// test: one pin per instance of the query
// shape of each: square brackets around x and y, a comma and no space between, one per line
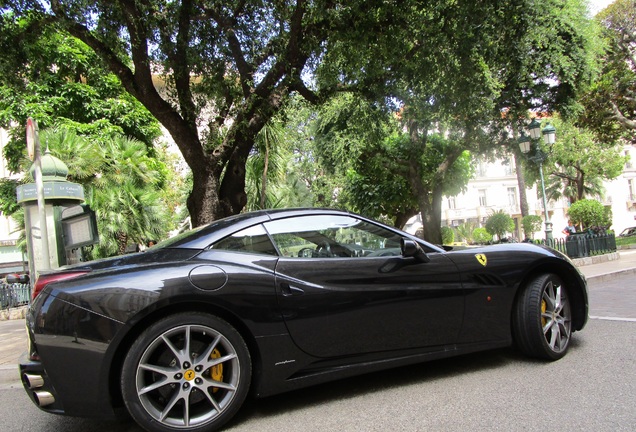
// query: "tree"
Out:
[464,81]
[499,223]
[611,100]
[578,163]
[531,224]
[465,231]
[131,193]
[226,69]
[552,62]
[266,167]
[229,67]
[58,80]
[590,214]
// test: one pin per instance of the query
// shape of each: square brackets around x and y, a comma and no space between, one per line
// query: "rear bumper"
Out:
[38,386]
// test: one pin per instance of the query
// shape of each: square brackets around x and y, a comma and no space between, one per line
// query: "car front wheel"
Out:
[542,320]
[187,372]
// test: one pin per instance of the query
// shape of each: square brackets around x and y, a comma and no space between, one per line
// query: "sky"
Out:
[598,5]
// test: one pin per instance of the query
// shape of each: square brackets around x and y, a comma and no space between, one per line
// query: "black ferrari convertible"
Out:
[272,301]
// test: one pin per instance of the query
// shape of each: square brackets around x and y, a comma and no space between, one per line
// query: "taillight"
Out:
[45,279]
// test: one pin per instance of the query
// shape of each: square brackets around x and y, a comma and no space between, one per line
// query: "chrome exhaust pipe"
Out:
[34,381]
[43,398]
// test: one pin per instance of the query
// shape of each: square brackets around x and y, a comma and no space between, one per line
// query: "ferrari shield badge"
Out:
[482,259]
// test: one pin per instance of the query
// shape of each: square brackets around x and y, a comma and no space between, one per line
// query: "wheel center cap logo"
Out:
[189,375]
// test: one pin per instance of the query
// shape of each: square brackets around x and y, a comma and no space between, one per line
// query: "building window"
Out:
[481,168]
[509,166]
[451,203]
[482,198]
[628,164]
[632,191]
[512,197]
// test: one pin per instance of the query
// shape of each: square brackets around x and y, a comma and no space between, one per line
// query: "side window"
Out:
[253,240]
[326,236]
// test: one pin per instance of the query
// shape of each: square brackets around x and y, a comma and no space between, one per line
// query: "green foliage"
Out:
[499,223]
[448,235]
[610,101]
[578,163]
[531,224]
[481,236]
[625,241]
[59,80]
[135,196]
[8,200]
[465,232]
[590,214]
[447,67]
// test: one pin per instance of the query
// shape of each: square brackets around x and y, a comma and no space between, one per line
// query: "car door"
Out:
[361,296]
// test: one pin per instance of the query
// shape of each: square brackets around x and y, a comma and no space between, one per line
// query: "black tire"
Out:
[542,318]
[168,386]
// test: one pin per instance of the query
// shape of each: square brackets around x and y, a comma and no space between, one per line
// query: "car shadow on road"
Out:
[376,382]
[367,384]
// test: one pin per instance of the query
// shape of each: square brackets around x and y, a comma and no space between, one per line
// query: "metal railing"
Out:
[14,295]
[580,245]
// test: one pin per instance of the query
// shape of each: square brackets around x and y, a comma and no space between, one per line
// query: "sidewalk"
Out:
[13,340]
[624,262]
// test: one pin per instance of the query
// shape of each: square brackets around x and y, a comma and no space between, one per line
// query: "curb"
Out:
[610,276]
[597,259]
[13,313]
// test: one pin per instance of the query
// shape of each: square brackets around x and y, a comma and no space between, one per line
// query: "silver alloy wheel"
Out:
[556,317]
[188,376]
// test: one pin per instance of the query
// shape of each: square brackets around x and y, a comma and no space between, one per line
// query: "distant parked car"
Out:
[14,278]
[628,232]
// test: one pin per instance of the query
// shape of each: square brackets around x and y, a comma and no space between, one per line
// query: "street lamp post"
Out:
[549,136]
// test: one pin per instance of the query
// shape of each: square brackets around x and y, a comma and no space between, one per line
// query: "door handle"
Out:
[289,290]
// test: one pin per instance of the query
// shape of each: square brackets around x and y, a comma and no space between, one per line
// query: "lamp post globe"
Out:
[525,144]
[534,129]
[549,134]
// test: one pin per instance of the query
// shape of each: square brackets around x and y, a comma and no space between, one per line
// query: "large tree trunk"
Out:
[431,212]
[521,182]
[203,202]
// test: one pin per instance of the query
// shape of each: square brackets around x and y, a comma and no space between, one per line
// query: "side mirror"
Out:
[411,248]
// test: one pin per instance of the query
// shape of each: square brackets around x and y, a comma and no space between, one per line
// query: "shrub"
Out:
[590,214]
[465,232]
[531,224]
[481,236]
[448,235]
[499,223]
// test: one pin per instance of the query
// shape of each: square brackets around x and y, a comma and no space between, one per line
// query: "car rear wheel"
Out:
[188,372]
[542,320]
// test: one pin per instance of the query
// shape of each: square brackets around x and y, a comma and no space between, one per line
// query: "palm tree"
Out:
[568,182]
[127,214]
[123,185]
[266,168]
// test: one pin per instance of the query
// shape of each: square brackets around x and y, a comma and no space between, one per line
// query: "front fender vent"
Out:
[487,279]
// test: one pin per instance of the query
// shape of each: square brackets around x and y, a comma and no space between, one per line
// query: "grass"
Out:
[624,241]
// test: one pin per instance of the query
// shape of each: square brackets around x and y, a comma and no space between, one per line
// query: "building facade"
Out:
[495,188]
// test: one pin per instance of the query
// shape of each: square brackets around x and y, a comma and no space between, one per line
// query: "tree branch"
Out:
[245,70]
[618,115]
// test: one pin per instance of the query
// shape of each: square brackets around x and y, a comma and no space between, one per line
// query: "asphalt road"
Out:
[592,389]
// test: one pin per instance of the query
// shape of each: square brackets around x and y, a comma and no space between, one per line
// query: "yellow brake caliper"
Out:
[217,371]
[544,306]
